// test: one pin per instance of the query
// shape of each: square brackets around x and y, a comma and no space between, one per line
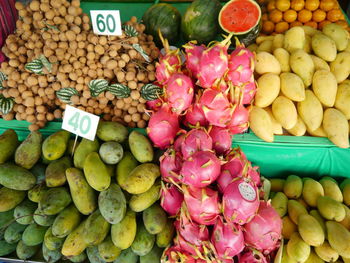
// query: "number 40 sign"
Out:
[106,22]
[79,122]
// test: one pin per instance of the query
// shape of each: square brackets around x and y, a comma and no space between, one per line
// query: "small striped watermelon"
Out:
[65,94]
[97,86]
[119,90]
[6,105]
[151,92]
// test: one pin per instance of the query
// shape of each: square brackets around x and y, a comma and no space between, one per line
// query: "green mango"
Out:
[51,256]
[83,150]
[55,145]
[142,178]
[93,255]
[295,209]
[10,198]
[141,147]
[6,248]
[8,145]
[38,171]
[310,230]
[277,184]
[140,202]
[34,234]
[127,256]
[313,258]
[288,227]
[74,244]
[108,251]
[164,238]
[42,219]
[24,212]
[52,242]
[111,131]
[312,190]
[297,249]
[54,201]
[319,219]
[15,177]
[112,204]
[345,188]
[36,193]
[28,152]
[153,256]
[72,144]
[293,187]
[6,219]
[84,197]
[279,202]
[143,242]
[66,221]
[25,252]
[13,232]
[326,252]
[331,189]
[111,152]
[55,174]
[124,168]
[339,238]
[123,233]
[96,172]
[96,229]
[330,209]
[154,219]
[346,221]
[79,258]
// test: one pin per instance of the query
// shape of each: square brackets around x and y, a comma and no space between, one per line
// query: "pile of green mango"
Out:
[316,218]
[88,200]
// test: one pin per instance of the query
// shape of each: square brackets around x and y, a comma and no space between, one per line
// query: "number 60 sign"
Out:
[106,22]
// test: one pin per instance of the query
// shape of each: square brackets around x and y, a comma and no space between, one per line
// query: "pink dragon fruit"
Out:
[216,107]
[201,169]
[239,121]
[213,63]
[171,199]
[240,201]
[249,92]
[202,204]
[195,115]
[263,232]
[196,140]
[170,166]
[251,255]
[187,246]
[222,140]
[154,104]
[227,239]
[254,174]
[174,254]
[178,142]
[179,92]
[193,56]
[163,127]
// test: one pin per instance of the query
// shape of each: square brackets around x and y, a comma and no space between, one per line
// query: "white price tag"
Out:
[80,122]
[106,22]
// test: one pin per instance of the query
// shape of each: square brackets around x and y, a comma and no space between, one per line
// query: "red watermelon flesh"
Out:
[239,16]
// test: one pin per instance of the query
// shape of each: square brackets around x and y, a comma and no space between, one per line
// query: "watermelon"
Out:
[163,17]
[200,21]
[243,18]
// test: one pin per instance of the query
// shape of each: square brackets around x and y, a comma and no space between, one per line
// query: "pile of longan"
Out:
[60,31]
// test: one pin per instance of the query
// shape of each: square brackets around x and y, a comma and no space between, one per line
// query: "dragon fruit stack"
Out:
[212,88]
[213,192]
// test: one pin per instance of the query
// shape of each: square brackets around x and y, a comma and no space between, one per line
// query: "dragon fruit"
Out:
[154,104]
[195,115]
[216,107]
[254,174]
[222,140]
[196,140]
[179,92]
[227,239]
[213,63]
[163,127]
[178,142]
[249,92]
[201,169]
[229,171]
[263,232]
[171,199]
[239,121]
[174,254]
[240,201]
[202,204]
[251,255]
[170,166]
[193,56]
[187,246]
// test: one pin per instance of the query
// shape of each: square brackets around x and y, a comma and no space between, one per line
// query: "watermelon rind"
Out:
[254,27]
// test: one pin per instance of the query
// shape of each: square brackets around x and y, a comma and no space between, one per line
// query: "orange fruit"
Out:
[343,23]
[323,23]
[319,15]
[281,27]
[283,5]
[265,17]
[268,27]
[311,24]
[297,5]
[304,16]
[312,5]
[275,16]
[334,15]
[271,5]
[290,15]
[327,5]
[295,23]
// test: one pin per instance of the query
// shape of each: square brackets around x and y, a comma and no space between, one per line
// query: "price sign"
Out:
[106,22]
[79,122]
